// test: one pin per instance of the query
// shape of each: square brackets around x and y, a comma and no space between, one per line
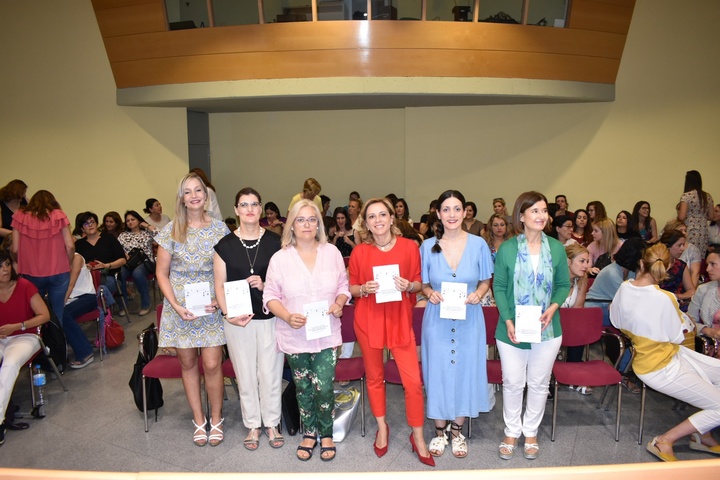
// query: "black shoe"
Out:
[2,433]
[17,425]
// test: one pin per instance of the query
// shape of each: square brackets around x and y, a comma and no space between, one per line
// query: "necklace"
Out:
[252,262]
[382,247]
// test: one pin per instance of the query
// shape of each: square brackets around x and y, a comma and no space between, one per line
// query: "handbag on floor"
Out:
[290,409]
[114,332]
[347,404]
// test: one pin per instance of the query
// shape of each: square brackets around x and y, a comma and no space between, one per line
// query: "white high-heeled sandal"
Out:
[200,437]
[215,439]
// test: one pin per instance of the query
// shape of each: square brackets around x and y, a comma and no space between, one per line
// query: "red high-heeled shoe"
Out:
[429,461]
[381,451]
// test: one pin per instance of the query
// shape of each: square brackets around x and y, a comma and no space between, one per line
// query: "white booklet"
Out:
[527,323]
[237,298]
[318,320]
[385,276]
[453,305]
[197,297]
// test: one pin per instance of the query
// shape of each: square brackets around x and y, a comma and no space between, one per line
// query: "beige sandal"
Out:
[506,450]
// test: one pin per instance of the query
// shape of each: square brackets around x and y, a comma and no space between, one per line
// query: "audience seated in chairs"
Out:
[704,307]
[137,237]
[81,298]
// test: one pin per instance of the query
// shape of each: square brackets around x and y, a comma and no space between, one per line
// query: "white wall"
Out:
[60,127]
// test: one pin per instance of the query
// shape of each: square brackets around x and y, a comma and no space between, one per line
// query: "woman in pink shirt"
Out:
[308,275]
[44,246]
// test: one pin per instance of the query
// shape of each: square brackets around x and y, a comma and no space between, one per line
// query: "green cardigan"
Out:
[504,286]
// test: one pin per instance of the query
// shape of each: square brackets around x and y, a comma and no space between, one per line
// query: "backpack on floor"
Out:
[55,342]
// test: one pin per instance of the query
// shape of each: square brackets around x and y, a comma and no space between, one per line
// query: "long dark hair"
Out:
[693,181]
[341,210]
[440,229]
[636,215]
[587,232]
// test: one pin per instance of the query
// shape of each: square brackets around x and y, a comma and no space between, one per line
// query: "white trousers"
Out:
[693,378]
[15,352]
[520,367]
[258,367]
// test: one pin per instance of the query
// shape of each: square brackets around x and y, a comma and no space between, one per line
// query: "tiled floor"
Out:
[96,426]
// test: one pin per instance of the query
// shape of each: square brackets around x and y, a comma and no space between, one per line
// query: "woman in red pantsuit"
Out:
[388,324]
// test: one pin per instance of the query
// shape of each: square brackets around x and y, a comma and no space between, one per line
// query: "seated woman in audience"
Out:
[12,197]
[80,299]
[596,211]
[137,237]
[582,229]
[714,231]
[500,209]
[624,226]
[645,224]
[605,244]
[156,219]
[424,226]
[342,234]
[563,229]
[625,263]
[578,264]
[678,279]
[496,232]
[101,252]
[650,317]
[273,221]
[704,307]
[469,224]
[112,224]
[307,270]
[691,255]
[407,231]
[402,211]
[22,310]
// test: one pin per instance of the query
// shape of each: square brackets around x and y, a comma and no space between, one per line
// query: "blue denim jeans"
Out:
[74,334]
[139,276]
[55,286]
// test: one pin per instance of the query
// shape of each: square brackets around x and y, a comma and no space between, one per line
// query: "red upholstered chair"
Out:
[163,366]
[392,374]
[494,371]
[583,326]
[350,369]
[95,316]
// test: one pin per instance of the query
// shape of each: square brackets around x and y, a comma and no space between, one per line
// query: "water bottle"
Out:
[39,380]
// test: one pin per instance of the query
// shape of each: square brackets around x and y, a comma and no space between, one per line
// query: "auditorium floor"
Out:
[96,426]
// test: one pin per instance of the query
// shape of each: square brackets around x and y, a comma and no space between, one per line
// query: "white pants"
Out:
[258,367]
[520,367]
[695,379]
[15,352]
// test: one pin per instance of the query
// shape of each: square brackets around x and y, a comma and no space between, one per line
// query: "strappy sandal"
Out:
[308,450]
[459,443]
[252,442]
[531,450]
[506,450]
[665,457]
[276,440]
[324,450]
[696,444]
[200,436]
[437,445]
[215,439]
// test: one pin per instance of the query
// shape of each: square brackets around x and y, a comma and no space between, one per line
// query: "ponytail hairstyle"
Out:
[440,229]
[655,262]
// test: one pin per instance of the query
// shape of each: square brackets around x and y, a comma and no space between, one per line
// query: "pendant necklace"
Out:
[252,263]
[382,247]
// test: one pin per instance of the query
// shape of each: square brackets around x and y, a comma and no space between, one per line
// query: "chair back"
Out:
[347,324]
[417,321]
[581,326]
[492,316]
[96,278]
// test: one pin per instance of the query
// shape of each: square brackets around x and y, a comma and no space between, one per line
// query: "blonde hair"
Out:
[179,229]
[609,239]
[674,225]
[312,187]
[364,231]
[288,236]
[655,262]
[575,249]
[488,233]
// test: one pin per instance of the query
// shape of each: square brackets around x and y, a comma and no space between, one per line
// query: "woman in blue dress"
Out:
[454,350]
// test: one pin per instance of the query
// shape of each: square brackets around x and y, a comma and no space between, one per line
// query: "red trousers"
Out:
[407,362]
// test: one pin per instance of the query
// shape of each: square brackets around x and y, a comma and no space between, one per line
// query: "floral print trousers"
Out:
[313,374]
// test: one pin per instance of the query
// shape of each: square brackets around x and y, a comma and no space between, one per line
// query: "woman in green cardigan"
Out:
[531,270]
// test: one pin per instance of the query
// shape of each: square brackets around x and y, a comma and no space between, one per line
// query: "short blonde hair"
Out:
[312,187]
[288,236]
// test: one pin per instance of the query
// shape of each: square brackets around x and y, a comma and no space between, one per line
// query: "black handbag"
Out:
[148,344]
[136,257]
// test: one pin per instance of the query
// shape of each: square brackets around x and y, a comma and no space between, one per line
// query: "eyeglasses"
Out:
[303,220]
[247,205]
[89,223]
